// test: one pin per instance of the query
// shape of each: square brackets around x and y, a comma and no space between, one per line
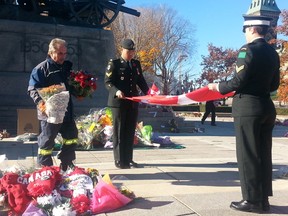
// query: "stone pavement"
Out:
[198,180]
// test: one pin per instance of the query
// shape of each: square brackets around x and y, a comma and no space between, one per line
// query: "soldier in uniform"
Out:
[122,77]
[54,70]
[257,75]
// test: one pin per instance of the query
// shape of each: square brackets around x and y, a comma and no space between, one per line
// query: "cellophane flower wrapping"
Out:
[56,100]
[92,128]
[82,83]
[107,198]
[96,130]
[34,210]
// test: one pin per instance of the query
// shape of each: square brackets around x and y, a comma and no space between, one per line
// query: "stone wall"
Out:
[24,44]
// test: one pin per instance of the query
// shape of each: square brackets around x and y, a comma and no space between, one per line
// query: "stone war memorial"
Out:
[27,27]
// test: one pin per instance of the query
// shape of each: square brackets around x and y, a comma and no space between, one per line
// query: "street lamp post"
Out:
[180,59]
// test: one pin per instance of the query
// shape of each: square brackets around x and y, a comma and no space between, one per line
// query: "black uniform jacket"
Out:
[119,76]
[257,74]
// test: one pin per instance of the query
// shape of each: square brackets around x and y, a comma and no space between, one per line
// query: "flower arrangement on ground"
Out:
[50,192]
[83,84]
[93,128]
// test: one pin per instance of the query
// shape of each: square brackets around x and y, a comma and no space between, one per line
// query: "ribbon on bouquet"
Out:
[199,95]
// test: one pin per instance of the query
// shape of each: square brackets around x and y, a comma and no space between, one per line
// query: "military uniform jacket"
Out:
[119,76]
[257,74]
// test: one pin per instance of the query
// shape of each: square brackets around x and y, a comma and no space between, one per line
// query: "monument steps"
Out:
[156,117]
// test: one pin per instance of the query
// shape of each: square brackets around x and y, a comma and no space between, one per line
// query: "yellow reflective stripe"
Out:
[45,151]
[70,141]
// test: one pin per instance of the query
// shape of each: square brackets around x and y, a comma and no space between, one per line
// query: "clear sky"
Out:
[216,21]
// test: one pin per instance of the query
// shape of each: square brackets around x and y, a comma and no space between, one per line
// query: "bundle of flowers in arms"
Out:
[56,101]
[82,83]
[49,192]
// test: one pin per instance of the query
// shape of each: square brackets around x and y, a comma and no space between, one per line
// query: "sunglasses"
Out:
[244,28]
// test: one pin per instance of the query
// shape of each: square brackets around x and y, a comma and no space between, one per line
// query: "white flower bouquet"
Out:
[56,101]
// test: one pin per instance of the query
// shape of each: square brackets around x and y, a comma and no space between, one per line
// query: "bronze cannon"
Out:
[98,13]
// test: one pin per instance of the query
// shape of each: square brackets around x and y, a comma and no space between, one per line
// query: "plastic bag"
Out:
[107,198]
[146,132]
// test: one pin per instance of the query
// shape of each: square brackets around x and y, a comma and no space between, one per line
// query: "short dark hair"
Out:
[261,30]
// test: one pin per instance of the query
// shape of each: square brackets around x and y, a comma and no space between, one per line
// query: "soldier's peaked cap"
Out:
[128,44]
[250,20]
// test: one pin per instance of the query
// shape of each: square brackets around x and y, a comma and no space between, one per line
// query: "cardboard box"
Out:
[27,121]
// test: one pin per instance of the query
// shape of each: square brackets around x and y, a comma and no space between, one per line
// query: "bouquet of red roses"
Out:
[83,84]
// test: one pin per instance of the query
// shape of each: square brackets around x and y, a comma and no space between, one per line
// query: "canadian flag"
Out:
[154,90]
[199,95]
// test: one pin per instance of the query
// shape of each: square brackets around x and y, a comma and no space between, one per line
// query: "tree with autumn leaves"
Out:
[218,65]
[282,92]
[161,36]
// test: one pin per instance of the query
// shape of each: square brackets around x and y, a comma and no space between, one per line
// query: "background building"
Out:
[267,8]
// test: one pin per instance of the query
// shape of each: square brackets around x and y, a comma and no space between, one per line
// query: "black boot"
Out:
[265,204]
[65,166]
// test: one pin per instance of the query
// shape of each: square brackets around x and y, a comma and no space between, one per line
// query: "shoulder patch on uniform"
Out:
[238,69]
[242,54]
